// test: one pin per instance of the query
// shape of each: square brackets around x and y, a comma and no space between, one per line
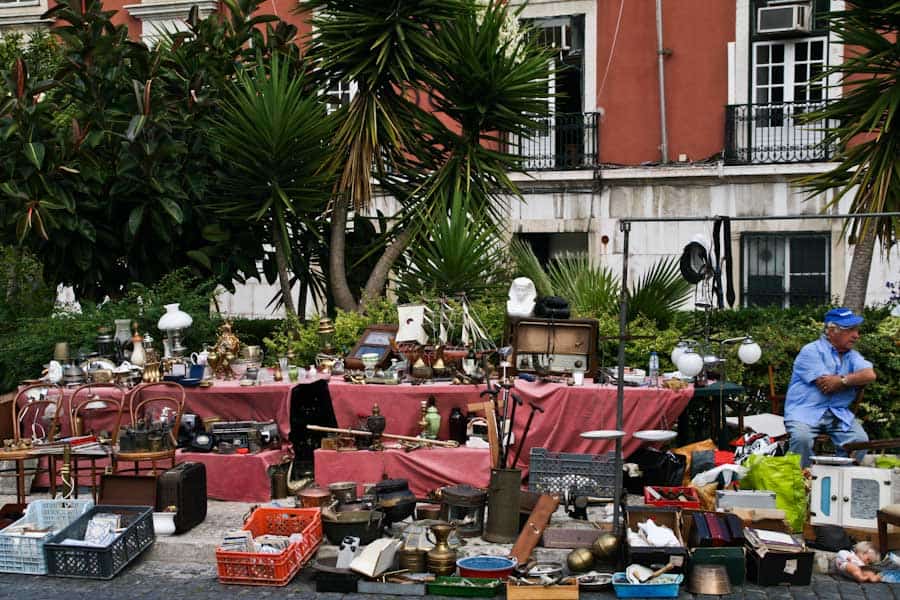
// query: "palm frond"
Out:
[659,292]
[528,265]
[591,290]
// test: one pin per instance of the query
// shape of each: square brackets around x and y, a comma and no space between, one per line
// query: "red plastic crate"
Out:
[252,568]
[693,501]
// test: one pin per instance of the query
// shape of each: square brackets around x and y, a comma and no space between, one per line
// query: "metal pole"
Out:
[660,57]
[625,227]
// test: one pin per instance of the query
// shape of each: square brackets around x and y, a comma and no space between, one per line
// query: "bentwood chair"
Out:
[94,408]
[148,403]
[35,413]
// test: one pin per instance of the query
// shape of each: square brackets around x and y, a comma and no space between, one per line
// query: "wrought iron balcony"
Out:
[770,133]
[564,141]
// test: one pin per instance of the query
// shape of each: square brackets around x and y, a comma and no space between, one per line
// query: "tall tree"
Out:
[868,133]
[273,132]
[456,55]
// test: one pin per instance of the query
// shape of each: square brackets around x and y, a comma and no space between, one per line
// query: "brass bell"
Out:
[604,547]
[580,560]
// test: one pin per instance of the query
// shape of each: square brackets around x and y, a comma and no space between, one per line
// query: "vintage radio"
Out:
[553,346]
[253,435]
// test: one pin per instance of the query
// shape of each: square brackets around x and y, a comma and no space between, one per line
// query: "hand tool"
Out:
[509,430]
[534,408]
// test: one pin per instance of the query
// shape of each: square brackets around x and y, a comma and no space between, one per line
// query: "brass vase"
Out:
[441,560]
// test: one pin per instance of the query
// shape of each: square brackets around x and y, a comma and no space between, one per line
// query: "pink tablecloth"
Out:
[425,469]
[225,399]
[569,410]
[237,477]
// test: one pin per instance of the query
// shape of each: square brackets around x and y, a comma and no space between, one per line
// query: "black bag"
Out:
[552,307]
[831,538]
[657,468]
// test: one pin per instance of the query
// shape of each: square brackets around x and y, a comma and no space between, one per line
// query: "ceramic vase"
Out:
[164,523]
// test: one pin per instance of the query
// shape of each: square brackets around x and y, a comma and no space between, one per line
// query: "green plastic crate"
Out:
[465,587]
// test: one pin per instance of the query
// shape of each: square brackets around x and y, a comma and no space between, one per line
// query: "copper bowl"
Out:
[710,580]
[314,498]
[428,511]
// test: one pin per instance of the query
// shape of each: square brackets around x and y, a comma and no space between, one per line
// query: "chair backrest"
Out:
[79,405]
[163,392]
[776,401]
[32,403]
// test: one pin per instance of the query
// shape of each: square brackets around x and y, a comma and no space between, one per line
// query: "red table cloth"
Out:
[237,477]
[569,410]
[425,469]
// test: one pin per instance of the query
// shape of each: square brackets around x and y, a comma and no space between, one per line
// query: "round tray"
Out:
[603,434]
[656,435]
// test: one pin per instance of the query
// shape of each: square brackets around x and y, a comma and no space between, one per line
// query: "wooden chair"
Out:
[30,410]
[140,401]
[84,406]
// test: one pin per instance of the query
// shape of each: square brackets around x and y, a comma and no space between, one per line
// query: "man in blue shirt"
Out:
[827,374]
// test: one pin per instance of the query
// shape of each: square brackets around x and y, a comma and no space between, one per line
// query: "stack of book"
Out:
[763,541]
[239,540]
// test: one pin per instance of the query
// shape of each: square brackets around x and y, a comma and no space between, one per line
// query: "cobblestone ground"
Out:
[149,580]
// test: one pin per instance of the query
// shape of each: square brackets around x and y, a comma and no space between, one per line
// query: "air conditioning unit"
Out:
[789,18]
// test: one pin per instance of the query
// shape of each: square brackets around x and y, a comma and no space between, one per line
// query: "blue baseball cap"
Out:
[842,317]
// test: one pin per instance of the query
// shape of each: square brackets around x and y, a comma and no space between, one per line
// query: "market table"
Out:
[237,477]
[569,410]
[714,396]
[425,469]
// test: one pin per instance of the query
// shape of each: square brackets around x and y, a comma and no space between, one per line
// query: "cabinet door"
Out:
[825,502]
[863,491]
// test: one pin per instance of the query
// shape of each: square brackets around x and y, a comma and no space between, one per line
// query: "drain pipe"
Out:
[661,54]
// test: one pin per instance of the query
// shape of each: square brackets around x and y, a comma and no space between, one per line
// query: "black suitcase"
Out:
[184,487]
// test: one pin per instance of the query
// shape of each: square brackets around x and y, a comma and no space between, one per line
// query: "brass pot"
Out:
[605,546]
[580,560]
[314,498]
[413,559]
[441,560]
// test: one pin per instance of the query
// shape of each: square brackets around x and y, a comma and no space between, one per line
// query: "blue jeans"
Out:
[803,435]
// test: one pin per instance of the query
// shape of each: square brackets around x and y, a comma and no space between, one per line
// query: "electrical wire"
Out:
[612,48]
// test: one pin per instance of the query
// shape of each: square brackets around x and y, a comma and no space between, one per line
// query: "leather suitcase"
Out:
[184,486]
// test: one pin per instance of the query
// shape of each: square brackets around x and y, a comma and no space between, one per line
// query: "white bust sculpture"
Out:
[522,295]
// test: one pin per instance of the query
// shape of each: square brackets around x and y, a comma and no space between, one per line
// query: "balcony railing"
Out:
[770,133]
[564,141]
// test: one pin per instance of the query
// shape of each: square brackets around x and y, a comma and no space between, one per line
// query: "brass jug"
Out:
[441,560]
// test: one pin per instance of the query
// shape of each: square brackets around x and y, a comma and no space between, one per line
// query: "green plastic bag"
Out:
[887,461]
[782,475]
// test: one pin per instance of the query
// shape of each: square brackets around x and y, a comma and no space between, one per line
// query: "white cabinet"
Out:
[850,496]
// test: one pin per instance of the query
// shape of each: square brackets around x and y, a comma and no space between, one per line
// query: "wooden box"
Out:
[556,344]
[657,557]
[568,591]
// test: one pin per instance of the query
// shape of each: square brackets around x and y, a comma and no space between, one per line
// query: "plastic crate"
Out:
[465,587]
[104,562]
[665,586]
[577,474]
[25,554]
[691,500]
[253,568]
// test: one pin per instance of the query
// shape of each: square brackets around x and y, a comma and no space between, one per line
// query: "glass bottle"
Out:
[457,424]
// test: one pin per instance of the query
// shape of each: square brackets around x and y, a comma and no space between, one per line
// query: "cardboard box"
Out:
[657,557]
[732,558]
[567,591]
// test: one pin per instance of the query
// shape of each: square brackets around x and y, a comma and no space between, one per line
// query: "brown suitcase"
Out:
[184,486]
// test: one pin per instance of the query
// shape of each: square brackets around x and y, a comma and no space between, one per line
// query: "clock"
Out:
[376,339]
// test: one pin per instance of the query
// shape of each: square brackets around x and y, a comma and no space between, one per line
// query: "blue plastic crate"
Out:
[24,553]
[664,586]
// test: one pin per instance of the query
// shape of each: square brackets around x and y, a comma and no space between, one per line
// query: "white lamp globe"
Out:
[749,351]
[677,351]
[174,319]
[690,363]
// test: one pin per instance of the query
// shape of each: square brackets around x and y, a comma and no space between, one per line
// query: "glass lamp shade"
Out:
[677,351]
[690,363]
[174,319]
[749,351]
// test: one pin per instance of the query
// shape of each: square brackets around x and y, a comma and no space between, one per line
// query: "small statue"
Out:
[423,421]
[853,563]
[522,296]
[226,349]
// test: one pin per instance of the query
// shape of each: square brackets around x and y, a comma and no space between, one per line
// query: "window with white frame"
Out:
[784,71]
[786,268]
[339,94]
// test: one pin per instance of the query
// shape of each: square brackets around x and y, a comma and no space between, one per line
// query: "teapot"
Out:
[200,358]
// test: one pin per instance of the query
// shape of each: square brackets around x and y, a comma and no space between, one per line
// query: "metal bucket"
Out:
[502,524]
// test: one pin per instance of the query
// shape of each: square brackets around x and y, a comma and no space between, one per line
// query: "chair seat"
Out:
[141,456]
[891,510]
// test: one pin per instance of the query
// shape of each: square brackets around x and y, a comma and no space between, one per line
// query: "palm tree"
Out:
[868,133]
[273,132]
[400,54]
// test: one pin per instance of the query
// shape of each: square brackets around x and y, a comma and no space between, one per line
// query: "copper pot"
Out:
[314,497]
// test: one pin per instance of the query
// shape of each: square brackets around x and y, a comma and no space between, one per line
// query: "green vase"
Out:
[433,418]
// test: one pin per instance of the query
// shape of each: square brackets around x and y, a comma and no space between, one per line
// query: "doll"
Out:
[852,563]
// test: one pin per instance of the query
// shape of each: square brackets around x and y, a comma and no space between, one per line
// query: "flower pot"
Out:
[164,523]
